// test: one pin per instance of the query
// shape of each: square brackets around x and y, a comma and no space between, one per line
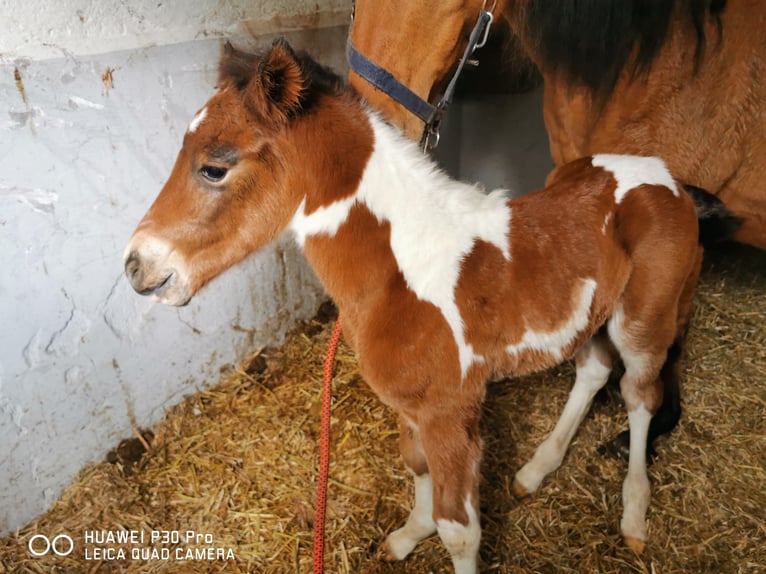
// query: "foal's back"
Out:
[571,248]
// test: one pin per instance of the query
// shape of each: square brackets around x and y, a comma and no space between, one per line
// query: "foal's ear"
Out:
[276,89]
[235,67]
[271,84]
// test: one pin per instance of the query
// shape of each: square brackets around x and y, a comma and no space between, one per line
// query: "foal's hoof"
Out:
[635,544]
[519,491]
[619,448]
[386,554]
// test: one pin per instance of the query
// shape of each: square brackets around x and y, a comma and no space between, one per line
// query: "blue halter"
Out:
[383,80]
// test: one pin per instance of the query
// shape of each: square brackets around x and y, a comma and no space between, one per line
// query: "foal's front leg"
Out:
[443,451]
[420,523]
[453,449]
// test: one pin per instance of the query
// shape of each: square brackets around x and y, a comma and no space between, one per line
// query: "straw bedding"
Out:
[237,462]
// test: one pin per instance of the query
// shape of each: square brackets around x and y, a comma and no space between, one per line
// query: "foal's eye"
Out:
[213,173]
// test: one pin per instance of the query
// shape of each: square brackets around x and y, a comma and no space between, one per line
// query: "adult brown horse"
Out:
[441,285]
[678,79]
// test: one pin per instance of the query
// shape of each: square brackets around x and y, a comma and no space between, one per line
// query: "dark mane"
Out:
[320,79]
[592,41]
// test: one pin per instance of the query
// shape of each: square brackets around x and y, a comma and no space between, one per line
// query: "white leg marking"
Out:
[635,489]
[420,523]
[462,541]
[591,376]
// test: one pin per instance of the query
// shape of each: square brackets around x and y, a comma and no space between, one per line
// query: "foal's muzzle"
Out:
[151,270]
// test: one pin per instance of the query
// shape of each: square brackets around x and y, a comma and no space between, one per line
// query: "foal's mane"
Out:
[592,41]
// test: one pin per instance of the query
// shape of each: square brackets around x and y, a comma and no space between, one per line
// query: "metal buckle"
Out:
[430,138]
[487,26]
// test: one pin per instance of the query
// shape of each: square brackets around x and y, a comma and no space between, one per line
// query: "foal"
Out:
[440,285]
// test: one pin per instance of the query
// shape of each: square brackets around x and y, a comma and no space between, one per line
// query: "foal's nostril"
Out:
[133,269]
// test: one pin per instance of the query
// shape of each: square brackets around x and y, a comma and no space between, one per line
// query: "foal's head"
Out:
[235,183]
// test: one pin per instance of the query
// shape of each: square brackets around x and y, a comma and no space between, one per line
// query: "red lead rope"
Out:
[324,451]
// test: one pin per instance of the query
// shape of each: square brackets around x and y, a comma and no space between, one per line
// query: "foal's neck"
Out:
[406,223]
[402,185]
[426,210]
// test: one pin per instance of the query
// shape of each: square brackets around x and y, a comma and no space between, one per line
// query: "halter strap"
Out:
[383,80]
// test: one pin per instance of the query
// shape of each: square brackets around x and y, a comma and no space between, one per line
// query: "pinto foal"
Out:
[440,285]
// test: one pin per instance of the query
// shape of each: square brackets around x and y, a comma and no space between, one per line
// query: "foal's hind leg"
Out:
[667,416]
[641,342]
[420,523]
[593,366]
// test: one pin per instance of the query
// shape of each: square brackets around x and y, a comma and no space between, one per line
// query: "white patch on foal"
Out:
[592,374]
[630,171]
[197,120]
[326,219]
[434,220]
[420,523]
[554,342]
[607,219]
[636,489]
[462,541]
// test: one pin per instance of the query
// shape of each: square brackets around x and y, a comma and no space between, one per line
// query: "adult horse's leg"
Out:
[593,366]
[420,524]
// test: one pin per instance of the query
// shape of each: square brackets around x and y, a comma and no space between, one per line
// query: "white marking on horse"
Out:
[434,220]
[197,120]
[150,246]
[607,219]
[636,490]
[554,342]
[327,219]
[420,523]
[592,374]
[632,171]
[462,541]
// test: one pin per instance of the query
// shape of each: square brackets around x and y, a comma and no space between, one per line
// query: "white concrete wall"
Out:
[54,28]
[83,359]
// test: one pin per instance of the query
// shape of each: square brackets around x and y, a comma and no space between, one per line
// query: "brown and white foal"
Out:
[441,286]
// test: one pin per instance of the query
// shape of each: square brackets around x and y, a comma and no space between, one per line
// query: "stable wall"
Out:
[83,359]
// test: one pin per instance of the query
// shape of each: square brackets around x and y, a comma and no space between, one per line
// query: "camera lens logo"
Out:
[41,545]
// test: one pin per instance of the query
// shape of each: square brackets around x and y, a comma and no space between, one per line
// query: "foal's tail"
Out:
[716,222]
